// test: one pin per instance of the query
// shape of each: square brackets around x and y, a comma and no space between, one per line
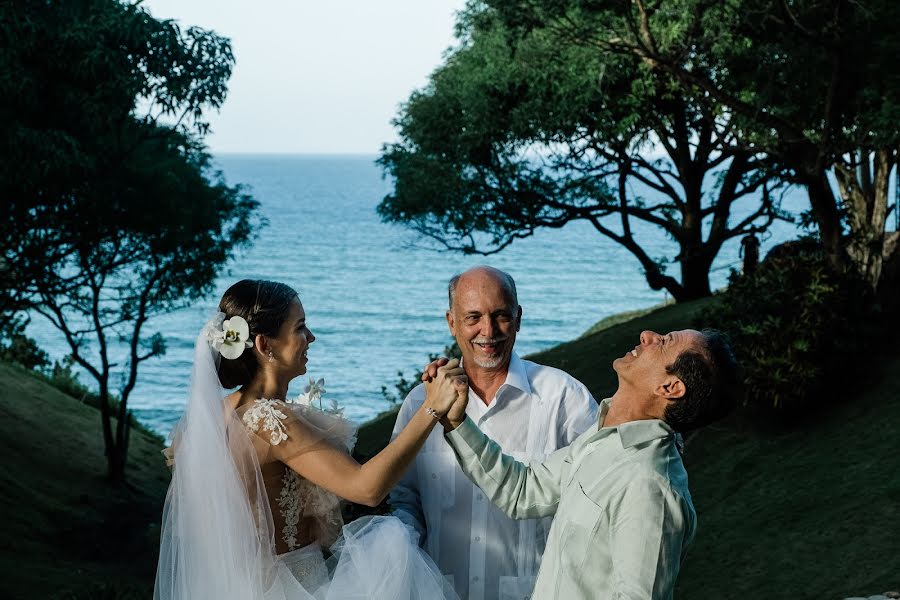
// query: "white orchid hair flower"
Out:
[230,338]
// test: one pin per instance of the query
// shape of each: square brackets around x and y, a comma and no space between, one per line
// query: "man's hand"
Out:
[430,371]
[445,387]
[457,413]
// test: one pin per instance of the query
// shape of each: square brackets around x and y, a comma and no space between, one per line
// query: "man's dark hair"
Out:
[712,379]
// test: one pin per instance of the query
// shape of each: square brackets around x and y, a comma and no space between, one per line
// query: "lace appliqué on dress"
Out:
[289,502]
[266,413]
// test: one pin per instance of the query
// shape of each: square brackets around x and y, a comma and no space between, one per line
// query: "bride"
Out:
[253,506]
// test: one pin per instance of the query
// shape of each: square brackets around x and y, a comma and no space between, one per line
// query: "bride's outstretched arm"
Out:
[369,483]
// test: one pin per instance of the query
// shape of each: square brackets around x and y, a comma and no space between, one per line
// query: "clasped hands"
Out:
[446,391]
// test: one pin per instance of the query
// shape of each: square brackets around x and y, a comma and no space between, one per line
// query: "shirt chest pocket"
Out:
[582,520]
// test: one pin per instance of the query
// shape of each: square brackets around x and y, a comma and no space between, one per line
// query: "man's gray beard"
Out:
[489,364]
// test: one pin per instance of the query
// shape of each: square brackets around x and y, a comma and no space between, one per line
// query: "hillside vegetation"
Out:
[66,533]
[808,513]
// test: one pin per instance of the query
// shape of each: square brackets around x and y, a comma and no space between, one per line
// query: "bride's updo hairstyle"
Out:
[265,306]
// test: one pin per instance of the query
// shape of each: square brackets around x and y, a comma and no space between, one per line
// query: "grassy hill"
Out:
[810,513]
[65,532]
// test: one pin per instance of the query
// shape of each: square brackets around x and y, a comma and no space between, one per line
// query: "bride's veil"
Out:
[217,539]
[217,534]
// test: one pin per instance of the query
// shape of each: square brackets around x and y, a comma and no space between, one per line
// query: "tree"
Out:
[115,215]
[811,84]
[521,129]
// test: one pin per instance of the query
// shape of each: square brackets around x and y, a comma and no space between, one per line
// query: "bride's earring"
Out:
[271,356]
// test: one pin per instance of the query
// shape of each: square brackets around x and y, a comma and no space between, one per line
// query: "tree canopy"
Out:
[114,211]
[810,83]
[521,129]
[666,112]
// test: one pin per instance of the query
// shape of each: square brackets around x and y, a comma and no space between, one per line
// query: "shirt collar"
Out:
[516,375]
[639,432]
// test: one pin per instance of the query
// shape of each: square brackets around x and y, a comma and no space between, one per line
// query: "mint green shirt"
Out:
[624,515]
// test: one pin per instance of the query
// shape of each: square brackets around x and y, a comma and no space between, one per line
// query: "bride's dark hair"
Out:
[265,306]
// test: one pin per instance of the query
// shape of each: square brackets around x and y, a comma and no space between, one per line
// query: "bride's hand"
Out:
[448,384]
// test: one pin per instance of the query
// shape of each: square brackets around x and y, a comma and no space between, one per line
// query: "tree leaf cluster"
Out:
[115,213]
[524,126]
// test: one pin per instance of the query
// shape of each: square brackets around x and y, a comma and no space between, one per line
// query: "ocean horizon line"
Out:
[360,155]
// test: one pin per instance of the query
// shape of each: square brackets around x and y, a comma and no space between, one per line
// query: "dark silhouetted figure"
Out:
[750,253]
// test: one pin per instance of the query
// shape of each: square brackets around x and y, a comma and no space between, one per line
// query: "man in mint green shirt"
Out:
[623,513]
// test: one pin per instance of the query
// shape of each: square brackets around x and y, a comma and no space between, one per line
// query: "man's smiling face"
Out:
[644,366]
[484,320]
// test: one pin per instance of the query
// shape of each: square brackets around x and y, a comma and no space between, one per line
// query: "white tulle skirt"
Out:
[375,558]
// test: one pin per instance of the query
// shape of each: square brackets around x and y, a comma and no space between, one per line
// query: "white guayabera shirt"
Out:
[487,555]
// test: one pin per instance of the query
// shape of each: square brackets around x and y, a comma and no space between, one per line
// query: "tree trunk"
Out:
[825,209]
[695,277]
[115,465]
[864,190]
[113,447]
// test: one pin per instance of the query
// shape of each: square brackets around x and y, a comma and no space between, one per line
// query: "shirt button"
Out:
[434,475]
[478,497]
[475,579]
[477,538]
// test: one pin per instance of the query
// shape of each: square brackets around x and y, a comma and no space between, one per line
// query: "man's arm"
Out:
[522,492]
[648,526]
[404,498]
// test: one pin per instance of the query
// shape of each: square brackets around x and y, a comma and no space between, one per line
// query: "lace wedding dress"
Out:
[238,523]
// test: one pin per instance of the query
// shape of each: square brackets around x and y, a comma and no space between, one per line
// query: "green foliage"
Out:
[21,350]
[798,328]
[402,387]
[809,86]
[527,125]
[114,213]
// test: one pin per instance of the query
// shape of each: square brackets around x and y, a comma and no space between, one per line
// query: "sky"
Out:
[318,77]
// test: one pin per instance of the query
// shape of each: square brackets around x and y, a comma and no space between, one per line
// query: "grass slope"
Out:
[65,531]
[811,513]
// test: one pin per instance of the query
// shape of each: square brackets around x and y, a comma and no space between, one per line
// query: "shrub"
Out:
[21,350]
[798,327]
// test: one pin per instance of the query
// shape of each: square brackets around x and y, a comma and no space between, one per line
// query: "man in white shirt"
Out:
[530,410]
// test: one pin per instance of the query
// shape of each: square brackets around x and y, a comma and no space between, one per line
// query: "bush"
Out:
[21,350]
[798,327]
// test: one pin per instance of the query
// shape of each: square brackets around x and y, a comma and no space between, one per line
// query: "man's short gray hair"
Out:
[509,286]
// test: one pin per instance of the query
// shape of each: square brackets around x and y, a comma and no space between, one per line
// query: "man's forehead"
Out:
[481,287]
[688,337]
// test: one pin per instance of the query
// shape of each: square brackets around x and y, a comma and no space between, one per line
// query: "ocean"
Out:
[375,297]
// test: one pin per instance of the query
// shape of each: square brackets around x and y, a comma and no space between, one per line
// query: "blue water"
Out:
[374,299]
